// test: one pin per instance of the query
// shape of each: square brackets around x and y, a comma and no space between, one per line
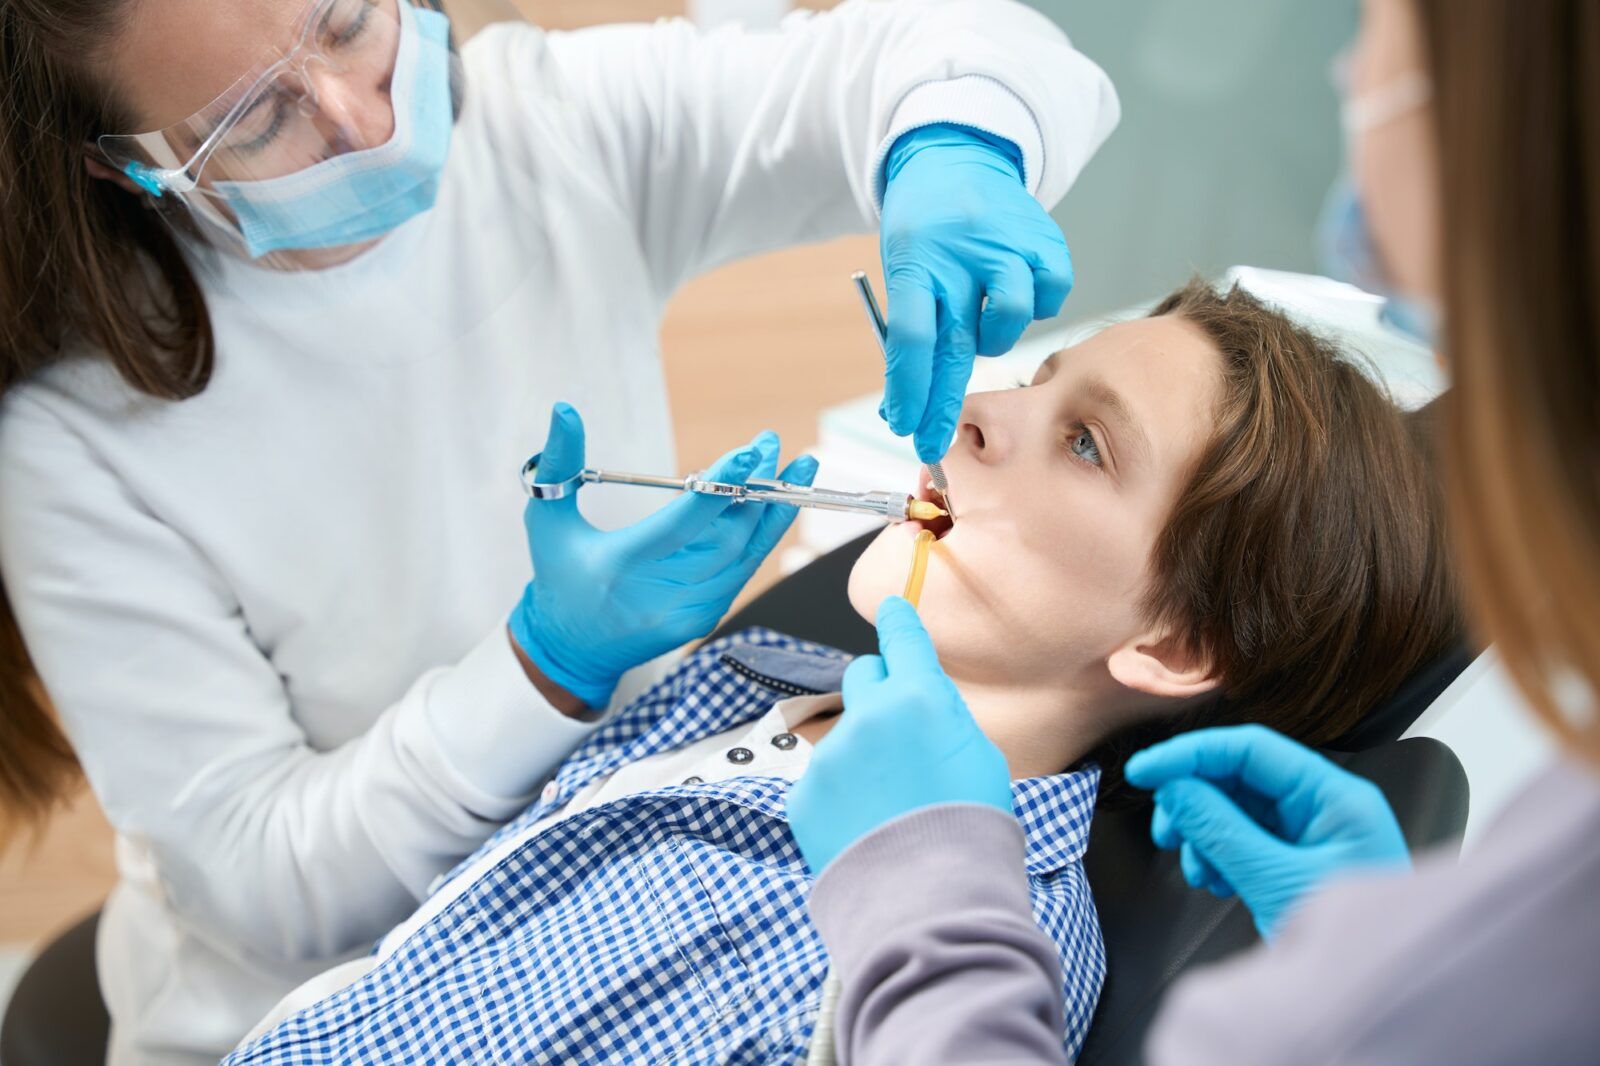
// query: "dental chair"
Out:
[1155,926]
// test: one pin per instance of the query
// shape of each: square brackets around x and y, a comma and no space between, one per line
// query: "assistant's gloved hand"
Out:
[1254,813]
[959,225]
[905,741]
[601,603]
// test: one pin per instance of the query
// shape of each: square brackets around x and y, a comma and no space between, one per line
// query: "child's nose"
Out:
[986,428]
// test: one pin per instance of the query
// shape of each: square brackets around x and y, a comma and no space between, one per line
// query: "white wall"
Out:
[1501,745]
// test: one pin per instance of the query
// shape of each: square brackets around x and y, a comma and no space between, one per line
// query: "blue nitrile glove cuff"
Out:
[970,258]
[944,135]
[595,692]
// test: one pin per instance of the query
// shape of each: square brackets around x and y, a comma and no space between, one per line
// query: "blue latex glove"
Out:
[906,740]
[601,603]
[959,226]
[1254,813]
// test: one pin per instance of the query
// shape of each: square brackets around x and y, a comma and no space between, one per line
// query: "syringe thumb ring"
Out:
[547,491]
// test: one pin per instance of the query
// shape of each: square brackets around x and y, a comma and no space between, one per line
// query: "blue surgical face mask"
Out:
[361,195]
[1348,253]
[1344,238]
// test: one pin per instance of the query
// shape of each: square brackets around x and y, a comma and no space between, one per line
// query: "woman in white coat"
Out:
[288,290]
[1475,138]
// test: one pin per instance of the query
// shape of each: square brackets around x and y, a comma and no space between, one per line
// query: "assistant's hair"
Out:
[1305,557]
[82,263]
[1517,129]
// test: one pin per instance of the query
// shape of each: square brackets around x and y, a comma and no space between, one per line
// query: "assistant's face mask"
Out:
[1344,237]
[285,160]
[1348,253]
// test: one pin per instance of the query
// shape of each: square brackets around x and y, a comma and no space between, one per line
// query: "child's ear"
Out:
[1160,664]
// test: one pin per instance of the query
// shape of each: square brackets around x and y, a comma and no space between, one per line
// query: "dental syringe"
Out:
[888,506]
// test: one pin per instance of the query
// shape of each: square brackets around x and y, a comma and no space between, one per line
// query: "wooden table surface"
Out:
[764,343]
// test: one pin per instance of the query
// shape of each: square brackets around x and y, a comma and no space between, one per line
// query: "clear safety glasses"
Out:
[336,135]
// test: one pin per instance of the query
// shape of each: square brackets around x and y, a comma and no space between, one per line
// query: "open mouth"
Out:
[940,527]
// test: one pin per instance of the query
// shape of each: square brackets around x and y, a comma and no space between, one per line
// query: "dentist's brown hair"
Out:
[84,267]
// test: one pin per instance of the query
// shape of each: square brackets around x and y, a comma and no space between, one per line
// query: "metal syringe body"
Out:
[888,506]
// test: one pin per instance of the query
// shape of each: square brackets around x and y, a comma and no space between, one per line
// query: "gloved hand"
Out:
[601,603]
[905,741]
[959,225]
[1254,813]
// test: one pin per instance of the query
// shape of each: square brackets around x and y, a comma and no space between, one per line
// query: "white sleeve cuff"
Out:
[500,739]
[972,100]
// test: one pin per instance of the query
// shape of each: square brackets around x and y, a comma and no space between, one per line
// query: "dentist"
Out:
[1474,145]
[288,289]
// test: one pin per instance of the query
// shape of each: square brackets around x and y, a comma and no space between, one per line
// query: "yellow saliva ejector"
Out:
[919,566]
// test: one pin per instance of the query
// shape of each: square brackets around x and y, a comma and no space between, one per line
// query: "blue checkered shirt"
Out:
[668,926]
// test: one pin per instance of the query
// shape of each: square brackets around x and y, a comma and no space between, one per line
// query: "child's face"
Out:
[1061,488]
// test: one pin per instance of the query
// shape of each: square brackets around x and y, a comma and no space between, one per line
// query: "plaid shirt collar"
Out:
[736,679]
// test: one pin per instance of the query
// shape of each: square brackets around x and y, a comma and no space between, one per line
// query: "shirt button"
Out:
[694,780]
[741,755]
[785,741]
[551,791]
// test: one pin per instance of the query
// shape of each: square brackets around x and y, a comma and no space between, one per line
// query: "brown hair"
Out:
[1517,126]
[82,262]
[1305,557]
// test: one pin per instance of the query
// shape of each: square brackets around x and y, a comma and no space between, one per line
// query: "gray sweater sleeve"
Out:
[930,929]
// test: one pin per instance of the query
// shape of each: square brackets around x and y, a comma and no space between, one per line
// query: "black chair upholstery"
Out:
[811,604]
[1155,926]
[56,1016]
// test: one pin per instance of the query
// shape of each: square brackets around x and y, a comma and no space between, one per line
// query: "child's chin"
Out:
[870,579]
[864,594]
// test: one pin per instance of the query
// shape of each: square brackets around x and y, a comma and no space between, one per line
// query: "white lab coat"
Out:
[272,617]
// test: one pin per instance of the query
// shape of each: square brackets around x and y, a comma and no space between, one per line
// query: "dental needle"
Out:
[880,329]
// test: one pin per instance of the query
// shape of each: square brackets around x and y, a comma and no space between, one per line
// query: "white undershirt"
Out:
[272,617]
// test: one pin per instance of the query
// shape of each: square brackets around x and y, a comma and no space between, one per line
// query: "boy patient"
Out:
[1199,517]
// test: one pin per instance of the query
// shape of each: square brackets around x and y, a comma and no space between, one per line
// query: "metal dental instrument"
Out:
[889,506]
[880,330]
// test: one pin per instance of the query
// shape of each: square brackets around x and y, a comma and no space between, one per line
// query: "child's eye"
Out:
[1083,445]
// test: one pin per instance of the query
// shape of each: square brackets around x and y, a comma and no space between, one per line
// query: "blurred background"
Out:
[1228,144]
